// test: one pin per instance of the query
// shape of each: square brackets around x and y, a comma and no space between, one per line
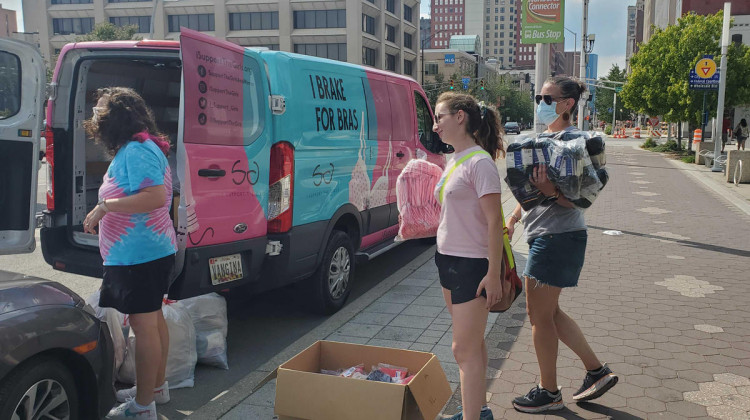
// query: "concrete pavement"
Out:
[664,303]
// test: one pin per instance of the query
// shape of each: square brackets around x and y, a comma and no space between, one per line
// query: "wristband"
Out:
[103,205]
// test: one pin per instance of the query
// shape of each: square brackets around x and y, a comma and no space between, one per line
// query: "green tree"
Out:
[106,31]
[605,97]
[658,83]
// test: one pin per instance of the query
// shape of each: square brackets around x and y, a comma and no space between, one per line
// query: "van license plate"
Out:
[225,269]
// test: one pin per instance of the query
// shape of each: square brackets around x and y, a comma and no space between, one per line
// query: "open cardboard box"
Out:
[303,393]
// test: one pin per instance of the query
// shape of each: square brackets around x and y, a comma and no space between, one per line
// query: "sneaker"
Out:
[485,414]
[538,400]
[161,394]
[129,411]
[596,384]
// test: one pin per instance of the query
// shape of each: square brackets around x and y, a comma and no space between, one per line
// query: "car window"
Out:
[10,85]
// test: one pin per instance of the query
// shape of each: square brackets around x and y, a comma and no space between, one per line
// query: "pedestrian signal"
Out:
[481,84]
[452,87]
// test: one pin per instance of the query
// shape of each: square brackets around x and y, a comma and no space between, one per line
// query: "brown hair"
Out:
[569,88]
[124,116]
[483,122]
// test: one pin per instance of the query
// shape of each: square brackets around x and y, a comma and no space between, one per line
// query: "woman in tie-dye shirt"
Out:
[136,238]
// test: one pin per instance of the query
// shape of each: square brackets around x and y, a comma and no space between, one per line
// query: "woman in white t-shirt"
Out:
[469,238]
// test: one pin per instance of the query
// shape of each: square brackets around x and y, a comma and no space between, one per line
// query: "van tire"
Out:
[332,282]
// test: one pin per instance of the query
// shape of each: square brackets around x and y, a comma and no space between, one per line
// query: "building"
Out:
[663,13]
[572,60]
[635,31]
[382,34]
[447,62]
[29,37]
[8,23]
[424,32]
[499,31]
[447,19]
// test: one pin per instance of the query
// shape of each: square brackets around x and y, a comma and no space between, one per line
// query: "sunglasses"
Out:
[548,99]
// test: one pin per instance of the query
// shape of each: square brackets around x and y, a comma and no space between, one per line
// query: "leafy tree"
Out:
[658,83]
[106,31]
[605,97]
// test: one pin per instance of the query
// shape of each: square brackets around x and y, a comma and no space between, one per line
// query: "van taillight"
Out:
[281,188]
[49,154]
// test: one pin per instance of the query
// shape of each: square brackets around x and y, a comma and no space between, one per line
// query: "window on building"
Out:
[496,43]
[430,68]
[274,47]
[407,13]
[487,26]
[332,51]
[142,22]
[502,43]
[390,62]
[75,1]
[368,24]
[502,34]
[408,67]
[487,51]
[502,26]
[488,10]
[501,17]
[390,5]
[496,51]
[67,26]
[309,19]
[253,21]
[390,33]
[486,18]
[407,40]
[198,22]
[486,43]
[368,56]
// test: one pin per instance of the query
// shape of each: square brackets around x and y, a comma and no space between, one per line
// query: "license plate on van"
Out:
[225,269]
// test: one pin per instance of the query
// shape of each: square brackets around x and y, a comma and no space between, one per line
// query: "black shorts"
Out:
[461,275]
[136,289]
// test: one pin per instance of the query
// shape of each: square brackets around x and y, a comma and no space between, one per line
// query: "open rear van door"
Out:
[21,100]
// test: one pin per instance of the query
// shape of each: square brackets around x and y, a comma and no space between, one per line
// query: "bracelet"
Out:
[103,205]
[513,216]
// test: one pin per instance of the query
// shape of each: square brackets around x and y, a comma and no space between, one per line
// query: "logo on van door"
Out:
[251,175]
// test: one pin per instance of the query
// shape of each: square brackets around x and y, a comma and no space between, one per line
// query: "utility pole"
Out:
[584,60]
[719,126]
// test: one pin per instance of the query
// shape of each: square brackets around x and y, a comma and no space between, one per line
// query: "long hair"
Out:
[123,118]
[569,88]
[483,121]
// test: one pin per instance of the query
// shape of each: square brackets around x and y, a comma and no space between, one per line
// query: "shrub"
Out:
[608,129]
[669,146]
[649,144]
[688,159]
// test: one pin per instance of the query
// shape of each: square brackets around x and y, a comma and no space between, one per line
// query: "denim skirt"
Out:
[556,259]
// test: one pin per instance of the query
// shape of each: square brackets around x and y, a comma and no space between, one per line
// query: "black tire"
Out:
[332,282]
[46,378]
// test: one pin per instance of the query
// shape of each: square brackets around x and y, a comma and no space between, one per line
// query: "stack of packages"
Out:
[383,372]
[419,211]
[575,164]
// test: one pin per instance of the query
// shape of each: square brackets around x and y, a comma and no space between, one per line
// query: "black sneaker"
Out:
[538,400]
[596,384]
[485,414]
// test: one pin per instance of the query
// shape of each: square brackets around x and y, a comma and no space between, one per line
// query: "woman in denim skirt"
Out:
[556,233]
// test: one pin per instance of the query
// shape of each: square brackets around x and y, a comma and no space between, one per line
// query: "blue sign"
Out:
[450,58]
[697,82]
[465,81]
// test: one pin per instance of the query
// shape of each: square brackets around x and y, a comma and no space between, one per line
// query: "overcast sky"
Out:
[607,19]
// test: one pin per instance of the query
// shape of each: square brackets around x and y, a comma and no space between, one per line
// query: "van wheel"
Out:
[332,282]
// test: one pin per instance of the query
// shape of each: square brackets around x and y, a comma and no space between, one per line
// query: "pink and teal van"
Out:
[284,165]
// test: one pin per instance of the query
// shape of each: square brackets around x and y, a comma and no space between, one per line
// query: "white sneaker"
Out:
[161,394]
[128,411]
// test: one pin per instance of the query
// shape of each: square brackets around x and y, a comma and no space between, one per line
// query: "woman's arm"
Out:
[492,283]
[146,200]
[515,217]
[545,186]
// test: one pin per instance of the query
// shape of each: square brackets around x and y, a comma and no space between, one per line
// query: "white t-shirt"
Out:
[462,231]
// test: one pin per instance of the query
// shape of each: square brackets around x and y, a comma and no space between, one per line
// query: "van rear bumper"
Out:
[195,278]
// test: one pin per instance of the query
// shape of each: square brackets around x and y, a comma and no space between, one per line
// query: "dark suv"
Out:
[512,127]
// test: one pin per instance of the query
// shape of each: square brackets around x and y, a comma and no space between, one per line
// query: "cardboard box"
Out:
[303,393]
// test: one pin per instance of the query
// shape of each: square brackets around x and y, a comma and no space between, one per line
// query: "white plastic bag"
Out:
[182,355]
[115,321]
[209,315]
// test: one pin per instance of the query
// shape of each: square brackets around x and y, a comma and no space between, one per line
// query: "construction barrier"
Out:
[697,135]
[637,133]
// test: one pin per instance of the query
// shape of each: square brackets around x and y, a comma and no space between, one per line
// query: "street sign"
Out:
[542,21]
[653,120]
[450,58]
[618,89]
[465,81]
[705,75]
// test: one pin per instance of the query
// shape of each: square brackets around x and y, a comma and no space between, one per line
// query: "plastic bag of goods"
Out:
[182,354]
[585,152]
[520,159]
[419,211]
[209,315]
[115,322]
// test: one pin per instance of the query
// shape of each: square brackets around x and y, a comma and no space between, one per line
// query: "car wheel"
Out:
[332,282]
[40,389]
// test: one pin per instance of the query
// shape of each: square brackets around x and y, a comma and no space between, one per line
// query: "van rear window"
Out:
[10,85]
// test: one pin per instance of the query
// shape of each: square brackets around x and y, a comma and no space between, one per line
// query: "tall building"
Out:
[635,31]
[383,34]
[7,22]
[663,13]
[447,19]
[424,32]
[499,33]
[572,63]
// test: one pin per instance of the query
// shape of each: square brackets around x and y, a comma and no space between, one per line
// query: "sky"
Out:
[607,20]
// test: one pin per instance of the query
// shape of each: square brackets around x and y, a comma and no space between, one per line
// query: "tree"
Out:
[106,31]
[605,97]
[658,83]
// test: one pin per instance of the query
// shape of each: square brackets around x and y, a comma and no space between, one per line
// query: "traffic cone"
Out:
[637,134]
[697,136]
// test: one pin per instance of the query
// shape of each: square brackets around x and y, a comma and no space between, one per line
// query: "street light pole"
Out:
[719,126]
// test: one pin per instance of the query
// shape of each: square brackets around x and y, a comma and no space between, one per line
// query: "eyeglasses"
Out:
[439,117]
[548,99]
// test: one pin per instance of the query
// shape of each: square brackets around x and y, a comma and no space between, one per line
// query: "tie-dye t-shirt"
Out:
[129,239]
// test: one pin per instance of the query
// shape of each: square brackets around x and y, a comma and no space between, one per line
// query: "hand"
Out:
[541,182]
[91,222]
[493,285]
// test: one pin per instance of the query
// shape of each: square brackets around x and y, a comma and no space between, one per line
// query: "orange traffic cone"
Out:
[697,135]
[637,134]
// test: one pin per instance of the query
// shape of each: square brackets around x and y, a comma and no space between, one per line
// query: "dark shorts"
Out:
[461,275]
[557,259]
[136,289]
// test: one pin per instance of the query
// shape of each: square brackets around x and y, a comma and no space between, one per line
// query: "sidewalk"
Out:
[664,303]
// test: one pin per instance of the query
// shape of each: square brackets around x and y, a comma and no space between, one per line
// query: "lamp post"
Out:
[422,49]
